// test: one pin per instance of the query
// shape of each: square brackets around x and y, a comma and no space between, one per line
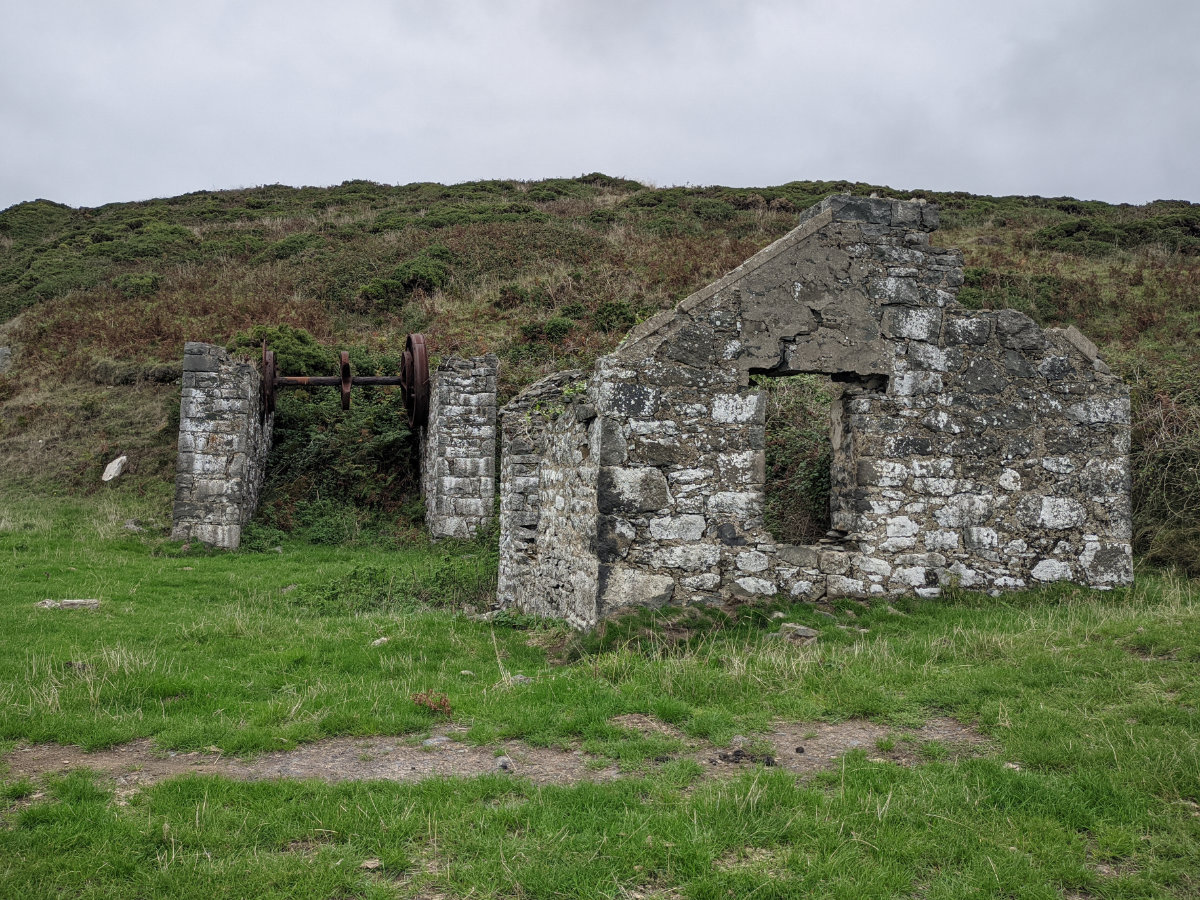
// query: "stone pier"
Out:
[224,440]
[458,447]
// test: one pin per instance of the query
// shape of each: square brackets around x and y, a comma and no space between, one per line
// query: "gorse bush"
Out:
[293,244]
[139,284]
[614,316]
[337,475]
[1044,298]
[296,351]
[1178,231]
[428,271]
[713,210]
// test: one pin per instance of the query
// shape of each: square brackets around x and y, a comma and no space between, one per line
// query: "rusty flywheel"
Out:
[413,380]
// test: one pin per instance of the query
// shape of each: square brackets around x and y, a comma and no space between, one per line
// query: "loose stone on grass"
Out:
[69,604]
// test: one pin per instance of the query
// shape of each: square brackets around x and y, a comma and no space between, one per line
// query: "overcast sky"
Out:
[105,100]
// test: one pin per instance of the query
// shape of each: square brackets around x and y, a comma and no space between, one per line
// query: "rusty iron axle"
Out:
[413,380]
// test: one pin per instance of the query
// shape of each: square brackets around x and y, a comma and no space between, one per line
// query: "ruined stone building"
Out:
[969,448]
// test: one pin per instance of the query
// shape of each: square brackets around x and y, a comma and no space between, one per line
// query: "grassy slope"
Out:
[1094,697]
[549,274]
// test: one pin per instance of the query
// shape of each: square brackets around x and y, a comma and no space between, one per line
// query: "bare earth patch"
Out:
[809,747]
[796,747]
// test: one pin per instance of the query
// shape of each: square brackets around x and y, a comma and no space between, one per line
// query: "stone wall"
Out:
[548,515]
[970,448]
[458,447]
[223,445]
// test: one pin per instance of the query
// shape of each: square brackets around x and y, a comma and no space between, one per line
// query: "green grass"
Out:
[1093,697]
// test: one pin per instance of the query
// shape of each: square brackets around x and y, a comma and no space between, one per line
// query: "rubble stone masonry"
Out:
[971,448]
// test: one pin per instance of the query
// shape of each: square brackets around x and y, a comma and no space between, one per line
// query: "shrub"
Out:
[35,221]
[1178,231]
[438,704]
[713,210]
[238,243]
[1043,297]
[602,217]
[56,271]
[427,271]
[556,329]
[137,284]
[667,226]
[599,179]
[296,351]
[445,215]
[798,458]
[362,456]
[613,315]
[512,296]
[293,244]
[424,273]
[1164,459]
[157,239]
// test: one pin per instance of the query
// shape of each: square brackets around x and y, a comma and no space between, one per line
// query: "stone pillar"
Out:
[223,444]
[458,447]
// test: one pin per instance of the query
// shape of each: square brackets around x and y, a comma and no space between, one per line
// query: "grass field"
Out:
[1087,783]
[339,629]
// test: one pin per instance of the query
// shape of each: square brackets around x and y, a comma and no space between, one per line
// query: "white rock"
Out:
[1061,465]
[736,408]
[114,468]
[913,576]
[1060,512]
[742,505]
[941,540]
[1052,570]
[752,561]
[870,565]
[758,586]
[90,603]
[686,557]
[677,528]
[1010,480]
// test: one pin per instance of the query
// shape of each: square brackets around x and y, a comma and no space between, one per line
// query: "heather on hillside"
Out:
[547,274]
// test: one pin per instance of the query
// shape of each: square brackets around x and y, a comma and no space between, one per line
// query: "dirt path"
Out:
[801,747]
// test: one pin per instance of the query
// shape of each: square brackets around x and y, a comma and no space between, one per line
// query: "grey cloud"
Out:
[127,100]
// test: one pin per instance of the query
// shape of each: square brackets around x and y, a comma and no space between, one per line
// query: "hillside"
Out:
[98,302]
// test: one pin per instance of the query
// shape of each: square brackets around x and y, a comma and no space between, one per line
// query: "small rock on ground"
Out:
[70,604]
